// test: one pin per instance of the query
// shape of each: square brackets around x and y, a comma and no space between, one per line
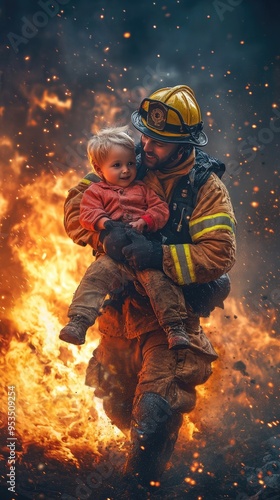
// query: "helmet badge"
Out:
[157,115]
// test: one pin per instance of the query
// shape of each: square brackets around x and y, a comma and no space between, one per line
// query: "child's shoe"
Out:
[75,331]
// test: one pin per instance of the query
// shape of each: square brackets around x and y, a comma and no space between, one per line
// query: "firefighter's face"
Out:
[157,153]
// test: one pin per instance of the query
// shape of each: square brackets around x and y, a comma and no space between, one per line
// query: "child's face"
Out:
[119,168]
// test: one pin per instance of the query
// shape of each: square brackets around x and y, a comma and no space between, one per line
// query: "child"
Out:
[119,201]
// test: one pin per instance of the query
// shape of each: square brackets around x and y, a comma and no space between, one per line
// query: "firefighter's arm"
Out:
[72,224]
[212,229]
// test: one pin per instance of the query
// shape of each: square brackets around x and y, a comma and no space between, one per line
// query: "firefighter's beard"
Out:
[153,162]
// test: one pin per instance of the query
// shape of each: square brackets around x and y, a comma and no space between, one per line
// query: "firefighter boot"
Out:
[177,336]
[154,431]
[75,331]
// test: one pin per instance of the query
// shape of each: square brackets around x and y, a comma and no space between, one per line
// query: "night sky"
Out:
[69,67]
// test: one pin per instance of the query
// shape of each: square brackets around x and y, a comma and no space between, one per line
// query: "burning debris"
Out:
[240,366]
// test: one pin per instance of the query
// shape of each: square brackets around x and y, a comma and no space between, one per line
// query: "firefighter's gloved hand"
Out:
[204,297]
[142,253]
[109,225]
[114,238]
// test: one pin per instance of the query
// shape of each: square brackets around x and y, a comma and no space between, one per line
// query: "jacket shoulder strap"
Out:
[204,166]
[185,194]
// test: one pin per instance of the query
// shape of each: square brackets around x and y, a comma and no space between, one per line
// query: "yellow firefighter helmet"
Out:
[171,114]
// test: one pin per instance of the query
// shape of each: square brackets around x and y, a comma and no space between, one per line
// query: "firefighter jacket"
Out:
[199,239]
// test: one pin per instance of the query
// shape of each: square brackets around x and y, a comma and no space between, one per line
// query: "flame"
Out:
[40,98]
[105,111]
[54,408]
[241,395]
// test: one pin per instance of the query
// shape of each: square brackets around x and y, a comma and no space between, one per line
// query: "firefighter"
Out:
[146,387]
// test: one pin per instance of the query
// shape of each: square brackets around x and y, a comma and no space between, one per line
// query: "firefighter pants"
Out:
[105,276]
[122,369]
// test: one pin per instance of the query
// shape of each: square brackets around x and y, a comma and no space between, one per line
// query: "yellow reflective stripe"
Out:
[213,228]
[178,270]
[187,250]
[209,223]
[205,217]
[181,256]
[85,181]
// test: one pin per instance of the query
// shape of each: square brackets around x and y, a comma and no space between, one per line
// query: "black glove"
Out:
[204,297]
[114,238]
[142,253]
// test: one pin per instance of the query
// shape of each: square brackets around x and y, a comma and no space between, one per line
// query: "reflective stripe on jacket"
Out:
[212,231]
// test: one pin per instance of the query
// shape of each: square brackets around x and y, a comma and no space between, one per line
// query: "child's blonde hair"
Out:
[100,144]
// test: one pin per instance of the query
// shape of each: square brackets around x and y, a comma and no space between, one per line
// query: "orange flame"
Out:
[54,408]
[40,98]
